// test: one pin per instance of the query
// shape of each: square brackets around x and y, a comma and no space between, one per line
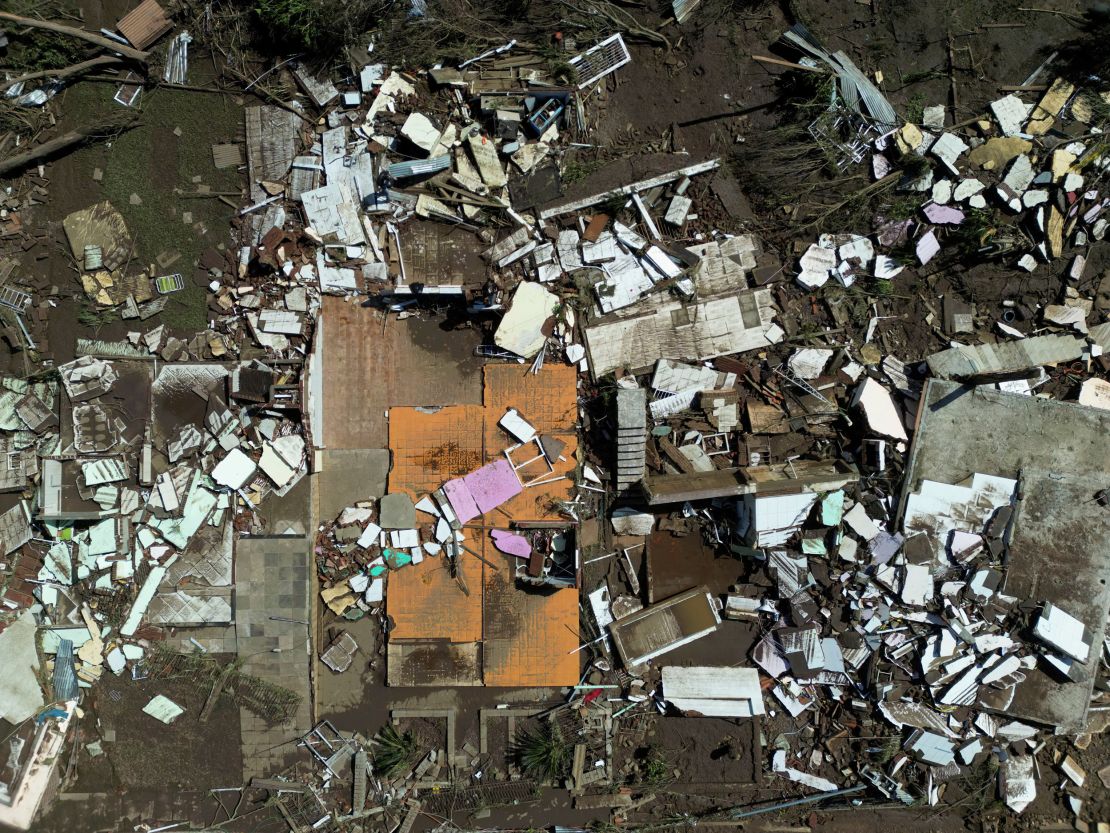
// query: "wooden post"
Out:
[217,690]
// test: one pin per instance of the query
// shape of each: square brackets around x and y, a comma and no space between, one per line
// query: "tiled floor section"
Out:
[526,637]
[217,639]
[535,503]
[549,401]
[272,580]
[371,365]
[431,448]
[529,635]
[425,602]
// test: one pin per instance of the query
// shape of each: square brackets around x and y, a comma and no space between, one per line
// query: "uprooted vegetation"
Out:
[394,750]
[796,181]
[542,752]
[31,50]
[444,30]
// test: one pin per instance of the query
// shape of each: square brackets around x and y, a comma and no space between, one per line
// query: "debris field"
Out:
[463,458]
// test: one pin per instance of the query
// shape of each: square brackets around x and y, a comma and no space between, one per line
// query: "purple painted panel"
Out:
[493,484]
[461,500]
[510,543]
[943,214]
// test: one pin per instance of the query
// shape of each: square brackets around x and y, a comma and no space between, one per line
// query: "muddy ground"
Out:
[149,174]
[152,173]
[705,96]
[709,97]
[126,763]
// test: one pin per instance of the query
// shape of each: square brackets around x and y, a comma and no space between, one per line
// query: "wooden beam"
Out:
[43,151]
[677,457]
[74,32]
[64,72]
[779,62]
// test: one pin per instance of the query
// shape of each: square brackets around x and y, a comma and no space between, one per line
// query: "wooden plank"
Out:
[677,457]
[278,785]
[579,764]
[227,156]
[144,24]
[410,817]
[288,818]
[764,59]
[603,802]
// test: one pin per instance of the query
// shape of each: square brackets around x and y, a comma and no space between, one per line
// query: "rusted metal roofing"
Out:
[144,24]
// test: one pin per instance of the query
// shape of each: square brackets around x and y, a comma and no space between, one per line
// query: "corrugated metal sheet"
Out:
[34,413]
[15,528]
[227,156]
[854,86]
[110,349]
[656,327]
[144,24]
[965,360]
[419,167]
[684,8]
[713,691]
[305,176]
[65,676]
[271,145]
[103,471]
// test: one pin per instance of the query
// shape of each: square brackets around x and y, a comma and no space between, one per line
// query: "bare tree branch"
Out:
[73,31]
[55,145]
[65,72]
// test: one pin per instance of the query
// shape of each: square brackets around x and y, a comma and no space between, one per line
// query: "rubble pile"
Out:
[927,638]
[1033,182]
[874,603]
[1024,184]
[876,618]
[356,553]
[136,528]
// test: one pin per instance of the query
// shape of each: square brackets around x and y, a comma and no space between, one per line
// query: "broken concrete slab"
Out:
[878,407]
[521,331]
[396,511]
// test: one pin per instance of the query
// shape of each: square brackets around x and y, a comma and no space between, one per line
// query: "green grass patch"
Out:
[30,49]
[157,162]
[575,170]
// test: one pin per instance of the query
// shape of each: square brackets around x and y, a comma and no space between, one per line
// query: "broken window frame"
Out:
[844,137]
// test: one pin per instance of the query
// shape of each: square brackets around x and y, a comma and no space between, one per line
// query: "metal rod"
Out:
[601,638]
[809,799]
[26,335]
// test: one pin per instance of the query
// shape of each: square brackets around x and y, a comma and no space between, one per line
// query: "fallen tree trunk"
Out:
[74,32]
[56,145]
[64,72]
